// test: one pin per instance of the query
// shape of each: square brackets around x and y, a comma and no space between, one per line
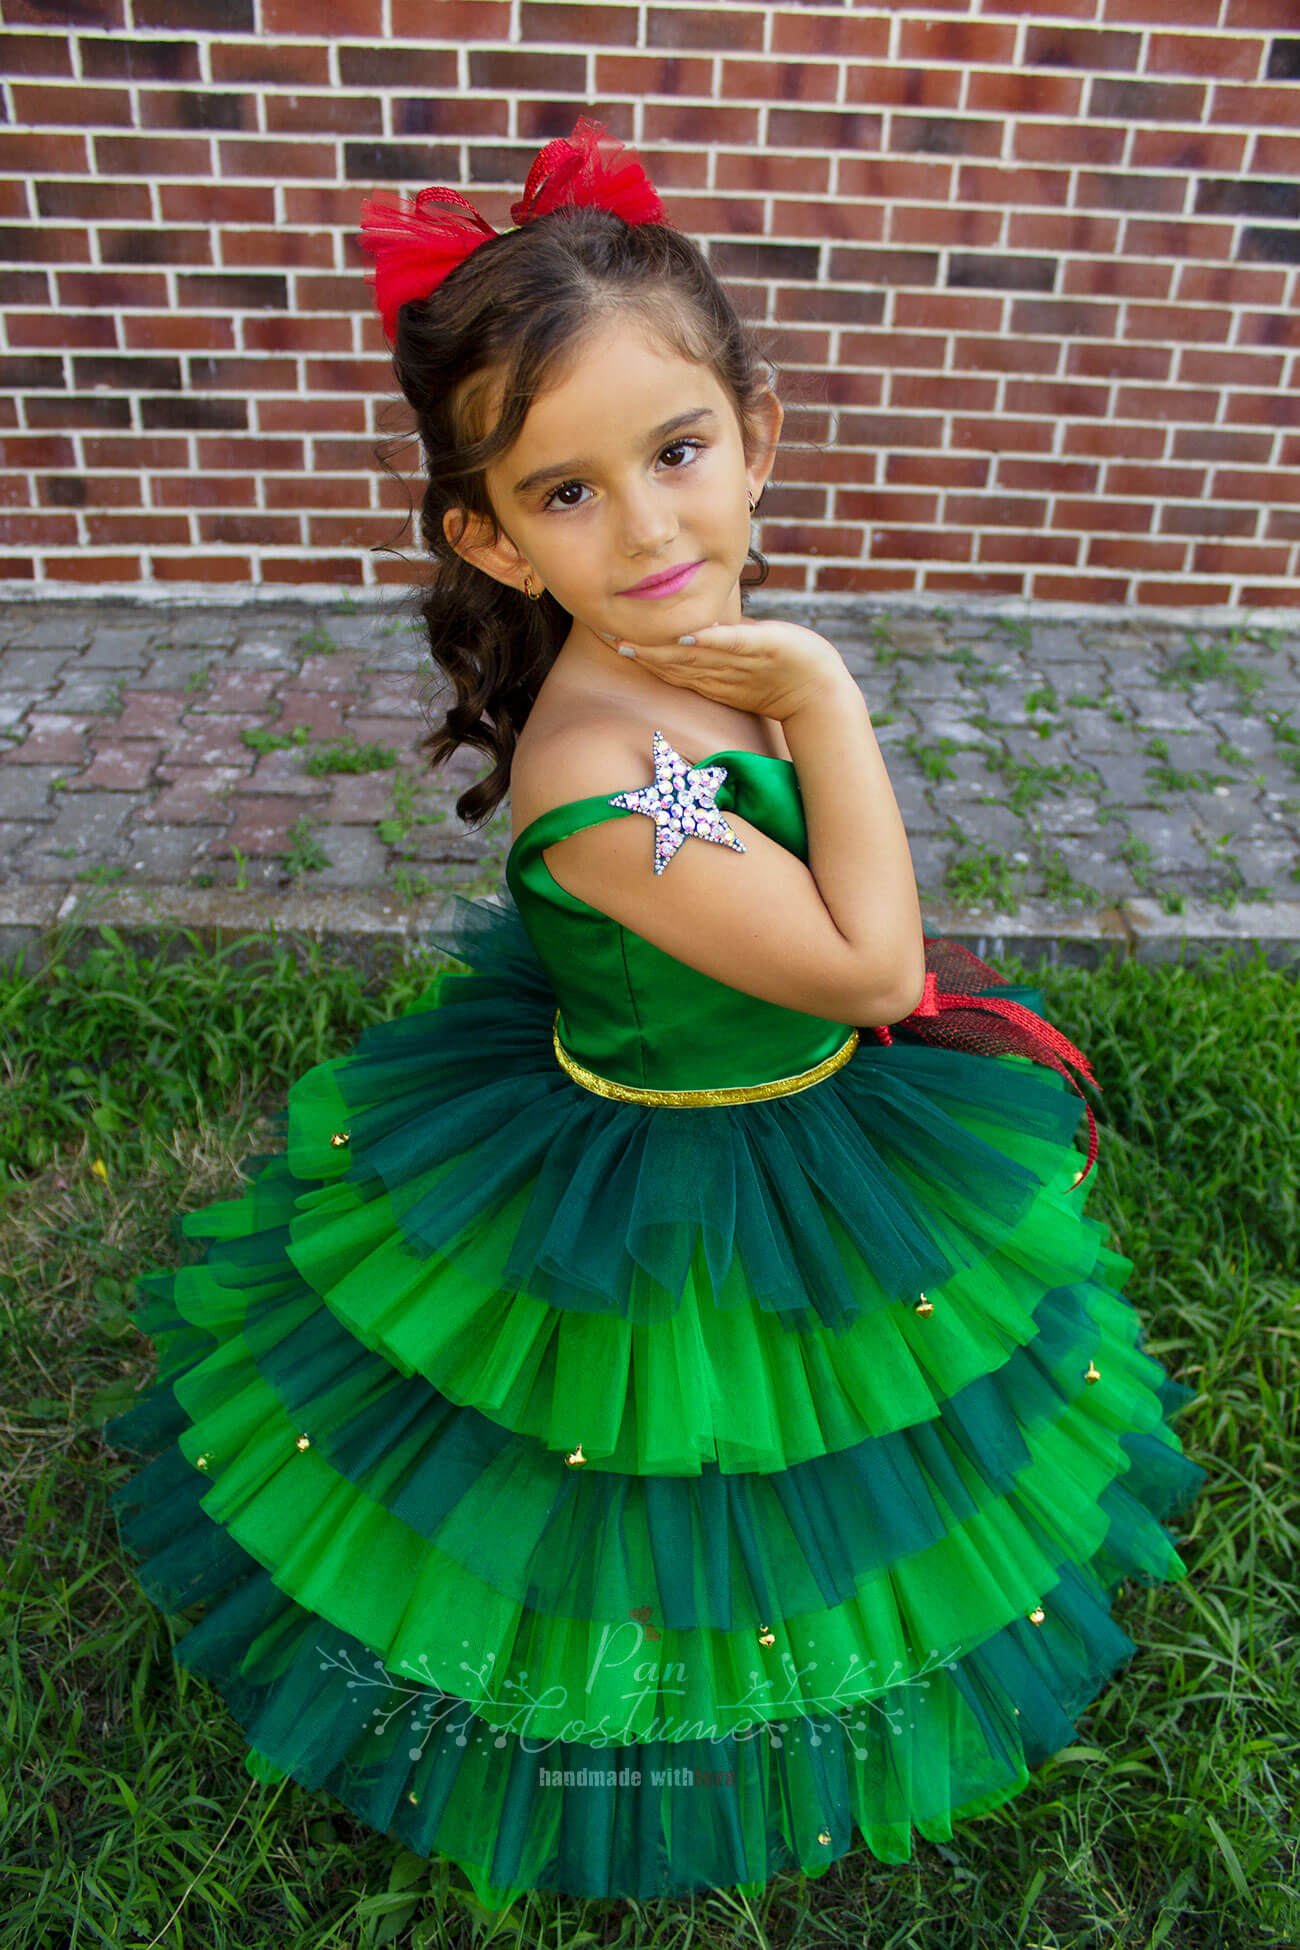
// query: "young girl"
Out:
[656,1424]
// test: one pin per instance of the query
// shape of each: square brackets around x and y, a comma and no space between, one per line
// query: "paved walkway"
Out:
[1077,788]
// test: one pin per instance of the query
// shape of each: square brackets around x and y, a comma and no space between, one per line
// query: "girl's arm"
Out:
[857,844]
[840,937]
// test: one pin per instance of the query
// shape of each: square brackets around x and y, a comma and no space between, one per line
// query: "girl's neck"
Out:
[589,680]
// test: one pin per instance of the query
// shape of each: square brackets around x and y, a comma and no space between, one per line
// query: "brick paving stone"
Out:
[35,671]
[14,835]
[265,651]
[1191,751]
[1056,643]
[52,738]
[1004,703]
[321,711]
[393,734]
[1088,732]
[400,653]
[334,672]
[1237,812]
[250,873]
[207,738]
[357,856]
[359,632]
[167,855]
[1252,736]
[124,643]
[119,765]
[899,727]
[233,689]
[1123,775]
[1269,863]
[919,639]
[27,791]
[108,652]
[930,857]
[1075,812]
[962,628]
[42,869]
[1026,743]
[1091,865]
[96,693]
[191,796]
[85,820]
[260,825]
[182,629]
[996,825]
[359,797]
[433,846]
[149,714]
[923,686]
[969,774]
[52,626]
[918,810]
[1161,708]
[178,670]
[282,771]
[1276,775]
[1171,841]
[389,694]
[944,720]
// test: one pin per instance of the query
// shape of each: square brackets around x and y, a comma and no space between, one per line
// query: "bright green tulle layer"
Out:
[885,1496]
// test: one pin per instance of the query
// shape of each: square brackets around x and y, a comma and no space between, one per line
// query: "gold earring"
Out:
[751,500]
[534,595]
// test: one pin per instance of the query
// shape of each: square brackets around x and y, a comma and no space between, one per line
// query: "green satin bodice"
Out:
[634,1014]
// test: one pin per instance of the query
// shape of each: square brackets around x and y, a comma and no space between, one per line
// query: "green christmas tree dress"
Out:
[635,1438]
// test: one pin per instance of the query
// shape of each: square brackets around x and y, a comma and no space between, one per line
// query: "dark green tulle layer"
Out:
[424,1605]
[901,1167]
[935,1743]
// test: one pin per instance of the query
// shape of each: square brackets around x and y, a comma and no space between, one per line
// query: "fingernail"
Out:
[625,650]
[686,639]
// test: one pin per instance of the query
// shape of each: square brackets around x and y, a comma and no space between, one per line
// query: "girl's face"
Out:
[631,465]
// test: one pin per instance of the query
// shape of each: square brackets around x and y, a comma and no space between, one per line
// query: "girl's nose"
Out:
[649,521]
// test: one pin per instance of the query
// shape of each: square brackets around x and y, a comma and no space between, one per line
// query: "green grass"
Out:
[126,1817]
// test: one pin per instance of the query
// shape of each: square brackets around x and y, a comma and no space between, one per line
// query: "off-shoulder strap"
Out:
[559,821]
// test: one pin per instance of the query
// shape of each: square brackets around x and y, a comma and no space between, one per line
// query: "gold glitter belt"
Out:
[740,1093]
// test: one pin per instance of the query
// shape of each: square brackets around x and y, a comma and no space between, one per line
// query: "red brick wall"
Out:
[1029,272]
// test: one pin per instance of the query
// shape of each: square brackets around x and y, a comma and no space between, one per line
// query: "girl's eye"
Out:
[675,446]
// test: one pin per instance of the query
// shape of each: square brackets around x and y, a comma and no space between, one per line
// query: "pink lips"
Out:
[665,585]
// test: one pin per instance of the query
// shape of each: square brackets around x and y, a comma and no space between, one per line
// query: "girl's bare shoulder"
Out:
[555,764]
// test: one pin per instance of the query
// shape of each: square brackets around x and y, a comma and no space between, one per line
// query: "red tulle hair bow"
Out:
[415,244]
[956,1016]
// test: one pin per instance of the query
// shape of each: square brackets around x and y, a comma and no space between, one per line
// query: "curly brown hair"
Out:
[511,312]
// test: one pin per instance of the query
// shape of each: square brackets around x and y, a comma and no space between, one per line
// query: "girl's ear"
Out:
[473,539]
[765,431]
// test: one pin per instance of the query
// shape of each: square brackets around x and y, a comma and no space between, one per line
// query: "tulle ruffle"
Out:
[939,1740]
[477,1149]
[795,1576]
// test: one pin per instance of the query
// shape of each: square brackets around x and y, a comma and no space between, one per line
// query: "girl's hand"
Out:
[773,669]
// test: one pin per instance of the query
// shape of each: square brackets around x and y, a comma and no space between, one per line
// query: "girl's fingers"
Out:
[709,636]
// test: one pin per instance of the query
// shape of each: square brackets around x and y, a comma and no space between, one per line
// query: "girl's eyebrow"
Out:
[541,474]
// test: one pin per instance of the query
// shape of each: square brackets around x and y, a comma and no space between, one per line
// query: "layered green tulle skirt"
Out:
[626,1501]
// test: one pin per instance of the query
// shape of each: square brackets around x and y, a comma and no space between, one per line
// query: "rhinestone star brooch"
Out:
[681,803]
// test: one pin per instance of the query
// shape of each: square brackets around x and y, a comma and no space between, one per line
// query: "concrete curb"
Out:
[375,935]
[397,599]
